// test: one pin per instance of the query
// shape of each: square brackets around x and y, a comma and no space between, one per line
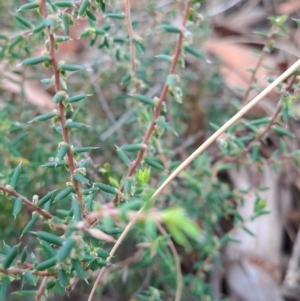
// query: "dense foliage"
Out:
[79,172]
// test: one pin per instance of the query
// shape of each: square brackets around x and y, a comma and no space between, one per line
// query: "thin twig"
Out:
[163,94]
[177,263]
[18,271]
[61,109]
[132,49]
[259,62]
[29,204]
[41,289]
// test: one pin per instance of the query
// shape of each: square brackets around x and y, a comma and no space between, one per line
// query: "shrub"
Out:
[82,209]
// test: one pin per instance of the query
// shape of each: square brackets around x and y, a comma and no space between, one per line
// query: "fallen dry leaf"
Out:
[236,59]
[31,89]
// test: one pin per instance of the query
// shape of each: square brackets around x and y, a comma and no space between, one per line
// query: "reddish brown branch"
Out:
[17,271]
[162,97]
[259,62]
[41,289]
[61,109]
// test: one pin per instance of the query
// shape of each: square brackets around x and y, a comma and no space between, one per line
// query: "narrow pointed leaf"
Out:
[64,193]
[65,251]
[17,206]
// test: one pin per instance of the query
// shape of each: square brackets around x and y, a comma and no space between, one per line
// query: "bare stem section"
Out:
[132,49]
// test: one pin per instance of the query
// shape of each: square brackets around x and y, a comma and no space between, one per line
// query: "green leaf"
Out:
[255,152]
[65,22]
[15,176]
[15,42]
[80,178]
[23,21]
[54,164]
[23,255]
[50,283]
[91,16]
[48,250]
[132,147]
[76,207]
[63,3]
[47,81]
[42,26]
[166,126]
[169,28]
[45,199]
[260,121]
[47,264]
[164,57]
[144,99]
[79,269]
[17,206]
[5,281]
[26,293]
[106,188]
[102,253]
[75,125]
[102,5]
[84,149]
[63,278]
[63,149]
[10,257]
[248,231]
[282,131]
[154,163]
[64,193]
[30,279]
[190,228]
[77,98]
[43,117]
[143,176]
[65,251]
[178,236]
[194,52]
[116,16]
[122,155]
[127,184]
[83,7]
[67,67]
[30,224]
[60,39]
[50,238]
[36,60]
[29,6]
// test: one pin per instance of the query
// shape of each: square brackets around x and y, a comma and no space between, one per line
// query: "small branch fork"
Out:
[29,204]
[162,97]
[61,109]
